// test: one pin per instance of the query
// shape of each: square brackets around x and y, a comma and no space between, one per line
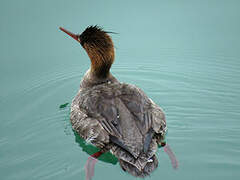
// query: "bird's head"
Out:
[99,47]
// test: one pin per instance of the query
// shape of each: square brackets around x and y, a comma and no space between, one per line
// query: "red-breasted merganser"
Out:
[114,116]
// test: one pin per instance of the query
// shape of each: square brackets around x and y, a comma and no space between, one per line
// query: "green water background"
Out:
[185,54]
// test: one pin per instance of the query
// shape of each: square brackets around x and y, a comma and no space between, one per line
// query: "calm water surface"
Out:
[184,55]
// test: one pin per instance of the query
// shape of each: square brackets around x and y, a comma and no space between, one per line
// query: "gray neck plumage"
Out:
[91,79]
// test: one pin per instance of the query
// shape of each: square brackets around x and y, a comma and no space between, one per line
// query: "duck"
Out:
[112,115]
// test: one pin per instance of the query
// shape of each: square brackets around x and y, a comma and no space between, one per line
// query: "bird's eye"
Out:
[79,38]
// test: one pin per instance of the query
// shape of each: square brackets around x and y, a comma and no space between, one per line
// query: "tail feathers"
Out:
[150,166]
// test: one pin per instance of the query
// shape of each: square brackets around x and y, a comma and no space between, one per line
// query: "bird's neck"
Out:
[90,79]
[100,68]
[101,60]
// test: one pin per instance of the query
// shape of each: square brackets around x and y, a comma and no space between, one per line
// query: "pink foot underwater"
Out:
[90,164]
[171,156]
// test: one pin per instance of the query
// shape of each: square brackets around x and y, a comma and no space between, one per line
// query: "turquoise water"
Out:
[184,54]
